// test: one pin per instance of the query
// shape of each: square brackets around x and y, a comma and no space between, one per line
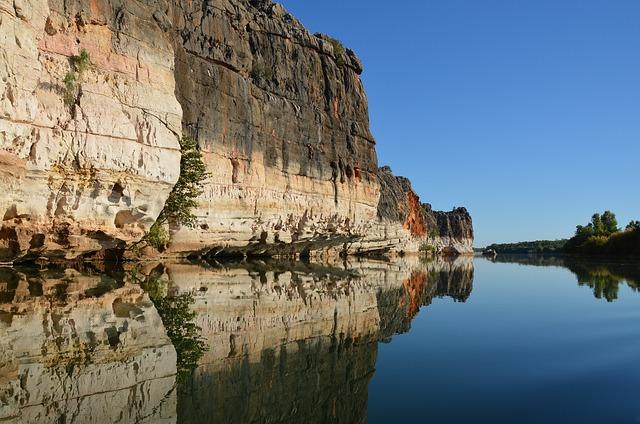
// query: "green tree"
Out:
[584,231]
[633,226]
[183,199]
[610,223]
[598,226]
[179,321]
[178,208]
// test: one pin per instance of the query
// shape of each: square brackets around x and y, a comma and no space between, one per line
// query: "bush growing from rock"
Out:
[80,64]
[178,209]
[261,72]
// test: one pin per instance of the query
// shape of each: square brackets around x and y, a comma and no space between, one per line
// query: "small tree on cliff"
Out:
[178,208]
[73,79]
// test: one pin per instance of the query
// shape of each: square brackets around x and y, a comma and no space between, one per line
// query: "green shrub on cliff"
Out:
[338,50]
[428,249]
[261,72]
[70,89]
[158,236]
[178,209]
[79,64]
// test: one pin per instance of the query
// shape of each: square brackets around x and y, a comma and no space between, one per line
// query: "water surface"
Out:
[526,339]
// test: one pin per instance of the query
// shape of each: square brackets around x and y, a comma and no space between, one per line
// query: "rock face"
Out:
[282,118]
[89,156]
[82,348]
[405,224]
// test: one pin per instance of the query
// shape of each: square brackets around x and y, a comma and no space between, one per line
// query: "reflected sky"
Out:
[528,346]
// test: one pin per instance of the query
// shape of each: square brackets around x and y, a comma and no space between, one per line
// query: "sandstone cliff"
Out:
[280,115]
[85,164]
[404,224]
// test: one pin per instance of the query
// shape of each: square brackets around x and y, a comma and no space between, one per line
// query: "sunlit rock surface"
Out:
[280,115]
[404,224]
[95,171]
[82,348]
[282,118]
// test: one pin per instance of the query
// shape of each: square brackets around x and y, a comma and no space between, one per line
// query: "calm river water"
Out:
[520,340]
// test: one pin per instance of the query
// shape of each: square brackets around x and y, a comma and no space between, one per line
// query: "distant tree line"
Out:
[600,225]
[538,246]
[601,236]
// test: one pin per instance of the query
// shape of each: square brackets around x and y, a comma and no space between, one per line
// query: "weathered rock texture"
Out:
[282,118]
[280,115]
[82,348]
[405,224]
[86,174]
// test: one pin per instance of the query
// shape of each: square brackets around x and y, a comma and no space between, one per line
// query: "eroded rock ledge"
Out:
[406,225]
[280,115]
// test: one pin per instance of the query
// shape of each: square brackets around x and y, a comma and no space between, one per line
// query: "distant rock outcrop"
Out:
[404,224]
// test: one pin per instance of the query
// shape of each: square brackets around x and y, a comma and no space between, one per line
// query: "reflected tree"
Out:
[178,319]
[603,277]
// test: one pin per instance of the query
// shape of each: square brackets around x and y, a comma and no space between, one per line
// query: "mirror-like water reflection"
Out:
[82,347]
[604,277]
[299,344]
[292,342]
[275,342]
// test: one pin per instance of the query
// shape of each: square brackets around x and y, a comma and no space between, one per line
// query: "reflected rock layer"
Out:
[82,348]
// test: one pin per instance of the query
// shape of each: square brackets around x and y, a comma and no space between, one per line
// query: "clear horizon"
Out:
[526,113]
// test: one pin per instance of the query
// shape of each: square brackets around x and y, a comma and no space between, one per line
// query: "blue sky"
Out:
[526,112]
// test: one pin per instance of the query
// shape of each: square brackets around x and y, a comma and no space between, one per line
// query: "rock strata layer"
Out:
[89,152]
[404,224]
[282,118]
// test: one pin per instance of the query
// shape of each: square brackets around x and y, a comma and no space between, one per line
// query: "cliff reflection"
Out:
[603,277]
[81,347]
[398,305]
[266,342]
[297,342]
